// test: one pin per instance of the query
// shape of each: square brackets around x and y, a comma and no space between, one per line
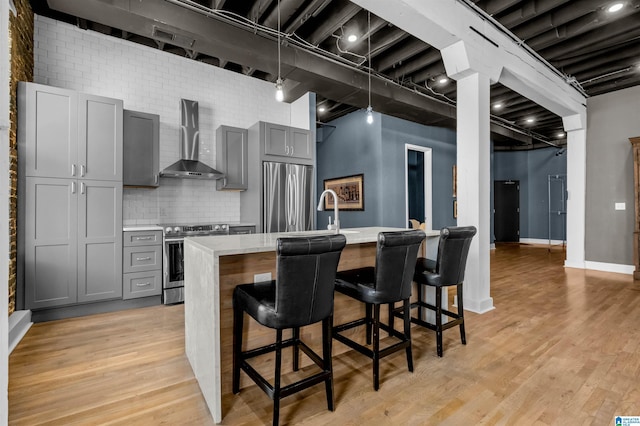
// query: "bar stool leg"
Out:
[327,340]
[439,320]
[391,318]
[296,348]
[376,347]
[368,320]
[463,336]
[276,387]
[407,331]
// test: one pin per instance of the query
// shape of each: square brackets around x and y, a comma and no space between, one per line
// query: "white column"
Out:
[473,162]
[576,189]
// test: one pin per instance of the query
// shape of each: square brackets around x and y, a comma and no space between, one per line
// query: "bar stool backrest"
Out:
[305,277]
[453,250]
[396,255]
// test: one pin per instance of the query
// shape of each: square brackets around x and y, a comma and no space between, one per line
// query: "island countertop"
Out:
[255,243]
[214,265]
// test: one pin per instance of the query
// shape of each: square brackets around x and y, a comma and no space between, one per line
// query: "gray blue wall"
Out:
[377,151]
[532,169]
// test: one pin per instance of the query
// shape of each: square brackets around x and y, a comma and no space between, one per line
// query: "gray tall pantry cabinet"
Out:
[70,196]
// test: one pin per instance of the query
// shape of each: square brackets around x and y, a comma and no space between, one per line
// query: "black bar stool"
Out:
[447,270]
[386,283]
[301,294]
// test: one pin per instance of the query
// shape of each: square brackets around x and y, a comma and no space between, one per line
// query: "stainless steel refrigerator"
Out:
[288,202]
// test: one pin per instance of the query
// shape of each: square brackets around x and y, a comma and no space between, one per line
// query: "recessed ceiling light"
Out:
[561,135]
[351,38]
[615,7]
[321,109]
[497,106]
[530,120]
[443,80]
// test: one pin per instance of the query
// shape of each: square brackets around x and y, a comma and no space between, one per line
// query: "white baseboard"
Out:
[19,324]
[610,267]
[540,241]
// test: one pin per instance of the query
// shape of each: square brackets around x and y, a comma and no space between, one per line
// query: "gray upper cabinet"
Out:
[69,196]
[67,134]
[141,142]
[49,145]
[287,141]
[232,160]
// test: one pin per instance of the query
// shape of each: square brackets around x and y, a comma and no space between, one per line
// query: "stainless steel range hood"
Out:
[188,166]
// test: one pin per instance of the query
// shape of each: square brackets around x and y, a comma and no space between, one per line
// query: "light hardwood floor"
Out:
[562,347]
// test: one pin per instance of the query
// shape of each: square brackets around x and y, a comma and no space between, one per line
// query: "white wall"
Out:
[153,81]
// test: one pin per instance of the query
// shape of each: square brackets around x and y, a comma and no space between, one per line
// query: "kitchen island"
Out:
[213,266]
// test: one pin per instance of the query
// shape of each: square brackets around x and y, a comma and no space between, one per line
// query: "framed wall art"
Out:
[350,192]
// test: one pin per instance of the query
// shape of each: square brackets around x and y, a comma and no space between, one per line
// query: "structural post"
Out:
[576,195]
[473,196]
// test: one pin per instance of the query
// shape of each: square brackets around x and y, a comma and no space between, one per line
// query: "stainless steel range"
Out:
[173,277]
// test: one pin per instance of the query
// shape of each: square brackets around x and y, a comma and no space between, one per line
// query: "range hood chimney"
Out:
[188,166]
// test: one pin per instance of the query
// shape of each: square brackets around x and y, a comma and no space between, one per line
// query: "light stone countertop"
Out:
[128,228]
[223,245]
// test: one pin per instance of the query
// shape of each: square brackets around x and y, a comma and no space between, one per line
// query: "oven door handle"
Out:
[173,240]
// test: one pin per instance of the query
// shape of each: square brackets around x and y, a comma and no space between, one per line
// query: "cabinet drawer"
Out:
[142,238]
[145,258]
[141,284]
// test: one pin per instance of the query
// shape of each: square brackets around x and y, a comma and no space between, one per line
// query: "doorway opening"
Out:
[418,182]
[506,210]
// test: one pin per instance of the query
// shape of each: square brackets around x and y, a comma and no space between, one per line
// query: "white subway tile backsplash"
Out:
[153,81]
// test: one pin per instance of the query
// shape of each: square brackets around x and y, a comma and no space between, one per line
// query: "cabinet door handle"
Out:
[286,150]
[73,170]
[73,187]
[292,148]
[143,284]
[143,238]
[82,169]
[139,259]
[156,178]
[82,187]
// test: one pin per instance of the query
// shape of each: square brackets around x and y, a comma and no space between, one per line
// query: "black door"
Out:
[506,218]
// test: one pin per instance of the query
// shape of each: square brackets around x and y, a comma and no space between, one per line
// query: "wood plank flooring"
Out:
[562,347]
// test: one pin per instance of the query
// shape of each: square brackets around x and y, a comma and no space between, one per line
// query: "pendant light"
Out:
[369,109]
[279,91]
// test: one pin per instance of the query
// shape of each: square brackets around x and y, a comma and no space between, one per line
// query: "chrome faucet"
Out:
[336,222]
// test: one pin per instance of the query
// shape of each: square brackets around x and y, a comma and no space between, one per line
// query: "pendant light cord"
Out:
[278,39]
[369,48]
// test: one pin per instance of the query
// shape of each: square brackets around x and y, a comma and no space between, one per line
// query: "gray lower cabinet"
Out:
[142,264]
[72,241]
[141,146]
[231,158]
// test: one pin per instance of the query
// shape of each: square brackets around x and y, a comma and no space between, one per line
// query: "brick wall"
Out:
[153,81]
[21,28]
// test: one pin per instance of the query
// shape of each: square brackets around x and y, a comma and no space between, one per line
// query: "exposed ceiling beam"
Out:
[528,10]
[240,45]
[312,10]
[338,17]
[409,48]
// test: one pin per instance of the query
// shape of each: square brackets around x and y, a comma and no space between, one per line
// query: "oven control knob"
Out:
[224,227]
[168,230]
[176,229]
[217,228]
